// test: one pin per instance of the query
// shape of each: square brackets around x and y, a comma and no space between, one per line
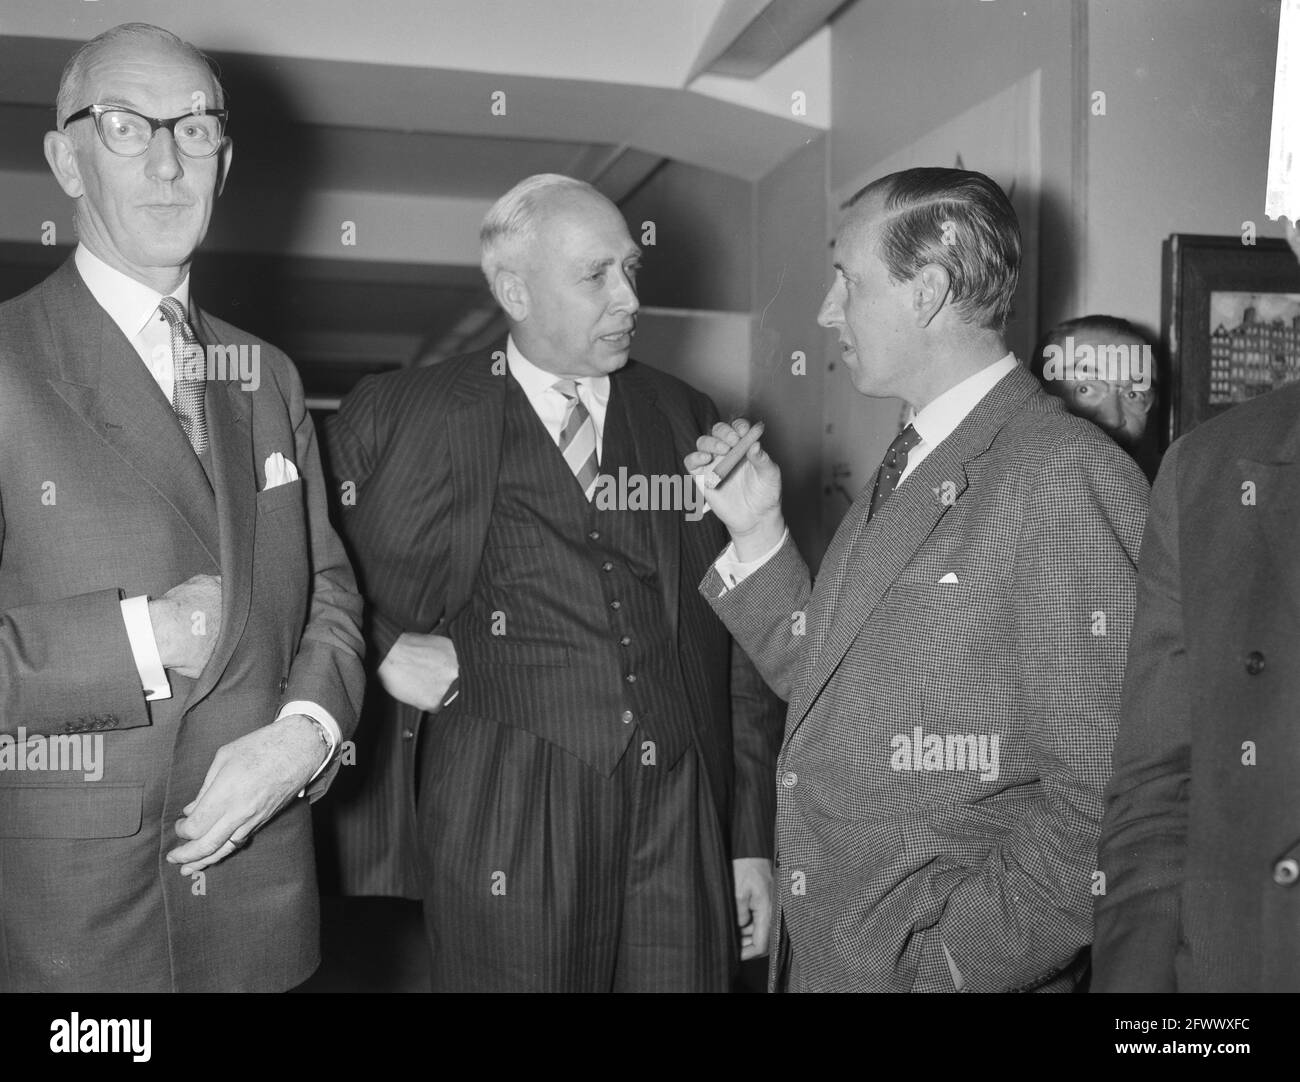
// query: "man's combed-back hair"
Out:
[511,224]
[72,82]
[960,220]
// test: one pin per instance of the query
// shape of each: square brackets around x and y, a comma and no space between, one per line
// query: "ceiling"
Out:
[384,114]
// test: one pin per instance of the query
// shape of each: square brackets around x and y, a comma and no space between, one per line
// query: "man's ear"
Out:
[511,292]
[930,289]
[62,158]
[225,156]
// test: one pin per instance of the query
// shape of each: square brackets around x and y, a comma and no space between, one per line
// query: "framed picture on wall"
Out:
[1230,323]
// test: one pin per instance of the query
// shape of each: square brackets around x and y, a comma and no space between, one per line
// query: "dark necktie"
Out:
[578,438]
[892,467]
[187,362]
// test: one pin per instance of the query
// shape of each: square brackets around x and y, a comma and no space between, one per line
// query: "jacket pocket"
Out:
[71,811]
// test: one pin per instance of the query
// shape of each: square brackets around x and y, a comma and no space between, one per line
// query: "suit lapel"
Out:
[230,436]
[103,380]
[653,441]
[475,423]
[869,558]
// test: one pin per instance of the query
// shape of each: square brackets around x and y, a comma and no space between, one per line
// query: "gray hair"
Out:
[72,82]
[511,223]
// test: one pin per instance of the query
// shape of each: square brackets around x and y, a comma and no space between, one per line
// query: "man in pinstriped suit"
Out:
[954,699]
[604,764]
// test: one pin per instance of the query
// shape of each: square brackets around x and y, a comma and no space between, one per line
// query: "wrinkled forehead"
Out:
[154,77]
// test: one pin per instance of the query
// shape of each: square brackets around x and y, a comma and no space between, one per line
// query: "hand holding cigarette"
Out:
[740,483]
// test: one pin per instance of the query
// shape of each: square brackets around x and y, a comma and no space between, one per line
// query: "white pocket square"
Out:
[950,577]
[279,471]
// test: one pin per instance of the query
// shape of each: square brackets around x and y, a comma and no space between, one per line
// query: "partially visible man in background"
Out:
[594,757]
[1103,369]
[196,618]
[1200,847]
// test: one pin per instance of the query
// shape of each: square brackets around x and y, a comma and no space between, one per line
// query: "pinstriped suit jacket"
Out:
[901,867]
[422,448]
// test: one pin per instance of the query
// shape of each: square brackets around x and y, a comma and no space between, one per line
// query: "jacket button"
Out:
[627,717]
[607,566]
[594,535]
[1254,663]
[790,779]
[1286,872]
[284,684]
[408,734]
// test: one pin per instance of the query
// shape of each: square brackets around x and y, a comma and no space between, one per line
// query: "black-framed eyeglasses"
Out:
[128,133]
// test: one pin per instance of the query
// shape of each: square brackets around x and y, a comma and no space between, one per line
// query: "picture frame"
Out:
[1229,324]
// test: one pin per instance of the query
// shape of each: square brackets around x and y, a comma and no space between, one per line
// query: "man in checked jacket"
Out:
[953,698]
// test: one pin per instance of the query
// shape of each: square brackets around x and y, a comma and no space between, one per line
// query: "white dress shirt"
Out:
[133,306]
[550,405]
[934,424]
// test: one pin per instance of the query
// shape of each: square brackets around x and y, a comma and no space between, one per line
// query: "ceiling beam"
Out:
[750,36]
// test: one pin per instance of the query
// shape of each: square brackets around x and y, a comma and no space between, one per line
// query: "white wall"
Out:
[1183,147]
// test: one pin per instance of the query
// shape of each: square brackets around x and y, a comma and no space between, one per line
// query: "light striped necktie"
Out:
[187,393]
[578,438]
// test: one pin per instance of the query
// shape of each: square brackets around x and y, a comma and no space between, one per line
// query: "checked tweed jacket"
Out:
[936,879]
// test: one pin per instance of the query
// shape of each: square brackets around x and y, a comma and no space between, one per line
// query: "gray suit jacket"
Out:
[101,498]
[1201,841]
[989,599]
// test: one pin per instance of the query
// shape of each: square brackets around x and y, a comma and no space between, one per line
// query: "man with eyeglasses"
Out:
[180,650]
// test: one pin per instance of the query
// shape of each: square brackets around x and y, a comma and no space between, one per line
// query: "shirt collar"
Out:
[936,422]
[130,304]
[537,381]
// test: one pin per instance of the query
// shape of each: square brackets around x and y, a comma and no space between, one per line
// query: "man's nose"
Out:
[163,160]
[1109,412]
[625,298]
[830,313]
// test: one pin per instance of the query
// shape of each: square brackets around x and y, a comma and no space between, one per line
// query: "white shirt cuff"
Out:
[325,720]
[733,571]
[144,648]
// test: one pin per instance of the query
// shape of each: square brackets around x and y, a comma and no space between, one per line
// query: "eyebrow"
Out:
[609,261]
[119,99]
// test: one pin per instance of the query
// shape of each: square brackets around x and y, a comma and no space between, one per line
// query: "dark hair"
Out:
[1106,325]
[960,220]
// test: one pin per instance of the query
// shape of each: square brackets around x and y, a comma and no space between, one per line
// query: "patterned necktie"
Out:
[891,469]
[578,438]
[187,393]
